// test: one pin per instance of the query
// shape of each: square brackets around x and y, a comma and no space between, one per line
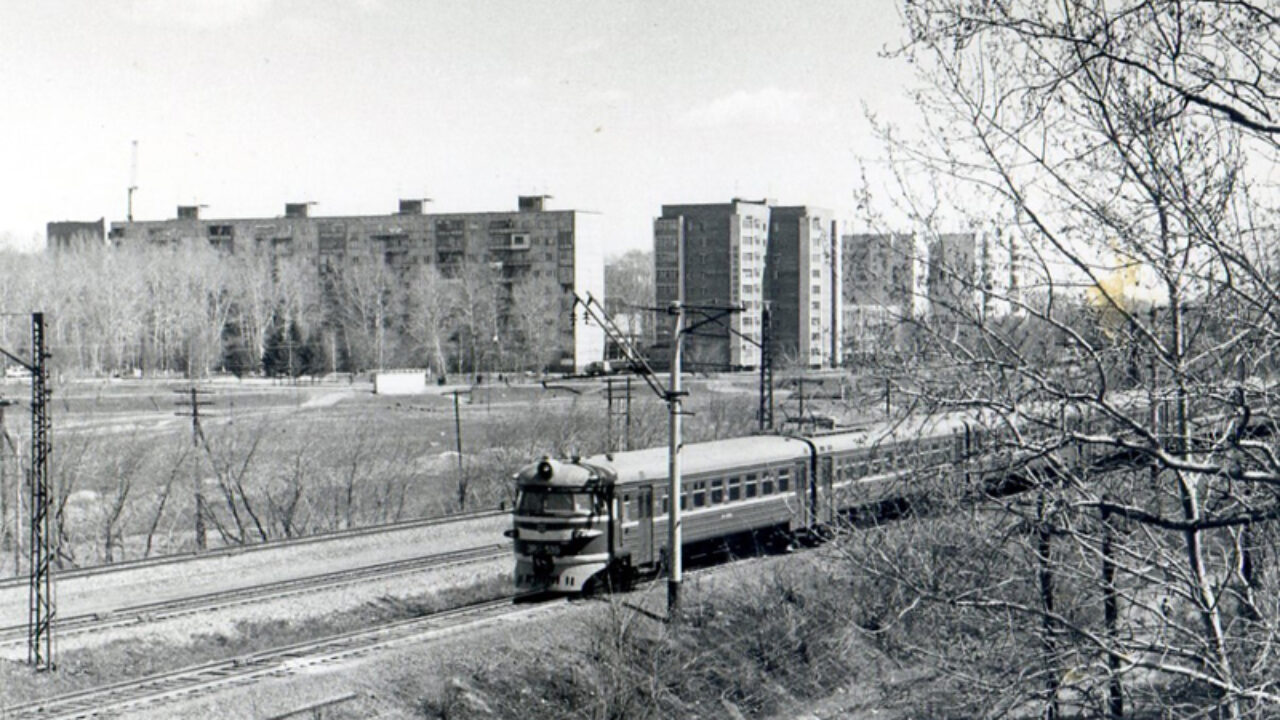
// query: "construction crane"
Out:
[133,178]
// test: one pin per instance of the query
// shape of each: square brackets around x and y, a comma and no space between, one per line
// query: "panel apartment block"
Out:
[882,286]
[713,255]
[801,287]
[954,280]
[531,242]
[75,234]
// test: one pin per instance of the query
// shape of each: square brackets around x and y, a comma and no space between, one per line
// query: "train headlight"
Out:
[545,469]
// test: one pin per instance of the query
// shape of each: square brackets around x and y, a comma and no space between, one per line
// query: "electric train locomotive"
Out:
[582,522]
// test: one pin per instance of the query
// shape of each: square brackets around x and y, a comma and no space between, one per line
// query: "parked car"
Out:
[15,372]
[600,367]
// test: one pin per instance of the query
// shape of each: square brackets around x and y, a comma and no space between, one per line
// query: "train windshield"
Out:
[554,502]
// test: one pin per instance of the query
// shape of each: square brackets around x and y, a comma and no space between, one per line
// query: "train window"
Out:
[666,506]
[766,485]
[735,489]
[784,480]
[699,494]
[553,503]
[684,501]
[717,492]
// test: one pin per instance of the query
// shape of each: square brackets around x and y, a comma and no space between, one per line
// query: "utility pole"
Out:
[801,383]
[43,544]
[10,531]
[673,394]
[463,482]
[193,403]
[457,426]
[766,370]
[675,401]
[43,540]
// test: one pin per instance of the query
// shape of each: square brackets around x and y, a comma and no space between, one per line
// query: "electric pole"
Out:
[191,400]
[675,402]
[10,531]
[673,395]
[43,539]
[42,550]
[766,370]
[457,435]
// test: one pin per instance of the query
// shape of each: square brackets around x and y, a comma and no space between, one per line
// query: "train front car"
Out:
[561,526]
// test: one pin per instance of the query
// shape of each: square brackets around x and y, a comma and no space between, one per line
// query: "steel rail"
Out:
[263,592]
[234,550]
[202,679]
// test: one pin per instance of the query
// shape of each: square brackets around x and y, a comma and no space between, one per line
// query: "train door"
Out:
[644,526]
[826,497]
[802,490]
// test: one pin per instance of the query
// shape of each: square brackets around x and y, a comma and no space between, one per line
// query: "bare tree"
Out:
[475,324]
[427,306]
[1114,148]
[365,287]
[176,463]
[629,293]
[534,322]
[231,467]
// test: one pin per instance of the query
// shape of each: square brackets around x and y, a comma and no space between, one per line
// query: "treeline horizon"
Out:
[188,309]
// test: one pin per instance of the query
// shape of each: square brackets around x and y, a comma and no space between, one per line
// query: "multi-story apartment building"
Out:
[713,256]
[566,246]
[74,234]
[748,253]
[881,289]
[801,281]
[955,277]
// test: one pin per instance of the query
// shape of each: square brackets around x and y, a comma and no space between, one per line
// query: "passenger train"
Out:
[586,522]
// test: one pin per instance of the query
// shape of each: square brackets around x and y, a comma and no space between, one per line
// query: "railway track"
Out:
[231,550]
[202,679]
[152,612]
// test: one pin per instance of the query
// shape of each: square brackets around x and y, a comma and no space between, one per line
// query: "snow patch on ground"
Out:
[326,400]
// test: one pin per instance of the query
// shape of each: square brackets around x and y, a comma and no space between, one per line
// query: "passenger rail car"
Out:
[604,518]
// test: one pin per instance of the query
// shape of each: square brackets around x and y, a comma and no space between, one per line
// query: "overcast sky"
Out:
[243,105]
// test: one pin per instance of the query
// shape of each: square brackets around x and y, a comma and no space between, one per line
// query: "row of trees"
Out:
[189,309]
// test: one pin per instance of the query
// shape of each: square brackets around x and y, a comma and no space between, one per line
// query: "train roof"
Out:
[882,433]
[725,455]
[698,458]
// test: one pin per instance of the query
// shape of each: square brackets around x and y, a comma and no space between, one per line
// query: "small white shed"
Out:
[399,382]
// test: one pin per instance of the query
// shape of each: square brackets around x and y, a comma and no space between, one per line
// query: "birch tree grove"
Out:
[1120,153]
[192,310]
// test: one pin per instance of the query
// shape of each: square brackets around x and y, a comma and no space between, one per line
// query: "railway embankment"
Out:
[106,589]
[313,600]
[771,637]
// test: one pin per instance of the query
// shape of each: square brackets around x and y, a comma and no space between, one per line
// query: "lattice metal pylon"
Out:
[766,372]
[43,549]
